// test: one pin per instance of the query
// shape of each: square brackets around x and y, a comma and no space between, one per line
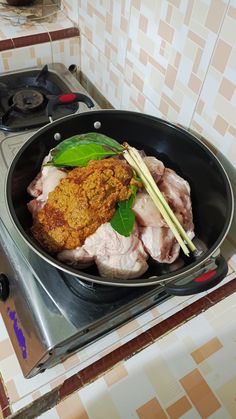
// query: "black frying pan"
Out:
[211,193]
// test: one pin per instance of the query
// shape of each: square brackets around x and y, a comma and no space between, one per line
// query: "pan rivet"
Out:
[57,136]
[97,124]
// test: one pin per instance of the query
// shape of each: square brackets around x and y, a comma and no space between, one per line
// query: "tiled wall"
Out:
[64,51]
[174,59]
[171,58]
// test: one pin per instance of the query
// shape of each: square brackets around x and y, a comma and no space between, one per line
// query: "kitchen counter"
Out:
[186,327]
[43,17]
[37,35]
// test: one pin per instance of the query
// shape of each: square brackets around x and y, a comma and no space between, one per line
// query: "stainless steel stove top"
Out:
[46,318]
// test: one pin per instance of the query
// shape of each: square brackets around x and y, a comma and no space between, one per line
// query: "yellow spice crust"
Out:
[81,202]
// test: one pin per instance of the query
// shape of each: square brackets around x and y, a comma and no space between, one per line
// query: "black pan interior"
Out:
[178,149]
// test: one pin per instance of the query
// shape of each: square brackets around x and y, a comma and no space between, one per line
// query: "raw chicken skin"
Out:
[75,257]
[160,243]
[45,182]
[155,166]
[176,191]
[117,256]
[146,212]
[157,238]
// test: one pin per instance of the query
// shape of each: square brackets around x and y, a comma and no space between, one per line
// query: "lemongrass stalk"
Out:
[142,166]
[158,204]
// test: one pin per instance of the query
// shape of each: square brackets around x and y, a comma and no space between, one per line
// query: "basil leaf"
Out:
[123,221]
[88,138]
[80,155]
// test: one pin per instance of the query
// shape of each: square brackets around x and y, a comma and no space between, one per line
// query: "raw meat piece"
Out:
[176,191]
[117,256]
[157,238]
[45,182]
[146,212]
[160,243]
[155,166]
[75,257]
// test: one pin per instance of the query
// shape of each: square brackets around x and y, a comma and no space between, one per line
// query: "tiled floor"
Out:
[189,373]
[22,393]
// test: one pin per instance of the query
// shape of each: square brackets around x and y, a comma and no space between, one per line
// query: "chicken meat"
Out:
[157,238]
[117,256]
[176,191]
[155,166]
[44,183]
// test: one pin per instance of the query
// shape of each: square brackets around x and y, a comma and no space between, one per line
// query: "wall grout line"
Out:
[126,49]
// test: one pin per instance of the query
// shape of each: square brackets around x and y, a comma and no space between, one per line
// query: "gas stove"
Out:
[48,316]
[24,98]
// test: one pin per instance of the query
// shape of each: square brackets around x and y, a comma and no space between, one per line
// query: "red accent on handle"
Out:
[206,276]
[67,98]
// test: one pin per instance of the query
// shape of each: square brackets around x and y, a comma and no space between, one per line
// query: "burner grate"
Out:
[24,98]
[27,100]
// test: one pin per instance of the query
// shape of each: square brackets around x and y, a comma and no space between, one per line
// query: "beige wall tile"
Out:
[12,391]
[215,15]
[206,350]
[179,408]
[200,394]
[17,58]
[151,410]
[115,375]
[168,380]
[6,349]
[227,88]
[226,394]
[72,408]
[221,55]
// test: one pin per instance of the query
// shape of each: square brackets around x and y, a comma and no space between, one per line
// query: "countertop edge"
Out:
[38,38]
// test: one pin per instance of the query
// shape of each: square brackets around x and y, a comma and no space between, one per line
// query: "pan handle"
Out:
[201,283]
[67,99]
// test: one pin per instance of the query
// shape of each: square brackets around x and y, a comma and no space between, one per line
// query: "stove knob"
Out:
[4,287]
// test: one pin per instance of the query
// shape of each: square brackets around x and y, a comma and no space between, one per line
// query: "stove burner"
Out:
[27,100]
[24,97]
[90,291]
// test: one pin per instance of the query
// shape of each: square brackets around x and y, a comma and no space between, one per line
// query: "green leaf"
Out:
[123,221]
[80,155]
[88,138]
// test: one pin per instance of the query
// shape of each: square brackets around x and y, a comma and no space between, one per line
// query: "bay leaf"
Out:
[87,138]
[80,155]
[123,221]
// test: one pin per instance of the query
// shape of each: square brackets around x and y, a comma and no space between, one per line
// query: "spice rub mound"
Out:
[80,203]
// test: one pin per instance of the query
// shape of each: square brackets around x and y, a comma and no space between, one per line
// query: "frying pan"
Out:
[211,193]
